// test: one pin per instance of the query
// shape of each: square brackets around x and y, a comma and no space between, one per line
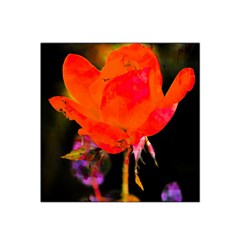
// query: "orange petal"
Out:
[166,108]
[109,138]
[183,83]
[78,75]
[127,100]
[125,59]
[155,122]
[71,109]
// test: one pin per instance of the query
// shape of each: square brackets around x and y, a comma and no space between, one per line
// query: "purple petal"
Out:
[84,173]
[88,180]
[171,193]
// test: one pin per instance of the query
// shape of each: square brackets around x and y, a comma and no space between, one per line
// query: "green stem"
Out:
[125,175]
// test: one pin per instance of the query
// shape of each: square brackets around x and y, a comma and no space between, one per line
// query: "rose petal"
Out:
[128,58]
[69,108]
[166,107]
[155,122]
[78,75]
[109,138]
[125,59]
[183,83]
[126,99]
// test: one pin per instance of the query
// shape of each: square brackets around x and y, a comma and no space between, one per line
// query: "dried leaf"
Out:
[138,181]
[155,161]
[141,159]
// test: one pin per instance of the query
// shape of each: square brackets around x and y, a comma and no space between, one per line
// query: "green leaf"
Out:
[78,154]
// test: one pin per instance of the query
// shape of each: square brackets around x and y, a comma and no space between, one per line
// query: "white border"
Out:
[25,24]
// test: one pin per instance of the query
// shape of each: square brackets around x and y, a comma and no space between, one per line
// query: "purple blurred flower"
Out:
[93,164]
[98,177]
[84,172]
[83,141]
[171,193]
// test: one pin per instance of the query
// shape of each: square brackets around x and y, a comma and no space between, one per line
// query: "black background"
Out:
[177,146]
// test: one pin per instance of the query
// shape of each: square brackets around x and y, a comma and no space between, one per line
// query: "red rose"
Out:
[123,102]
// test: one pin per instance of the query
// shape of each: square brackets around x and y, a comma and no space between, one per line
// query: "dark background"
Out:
[176,146]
